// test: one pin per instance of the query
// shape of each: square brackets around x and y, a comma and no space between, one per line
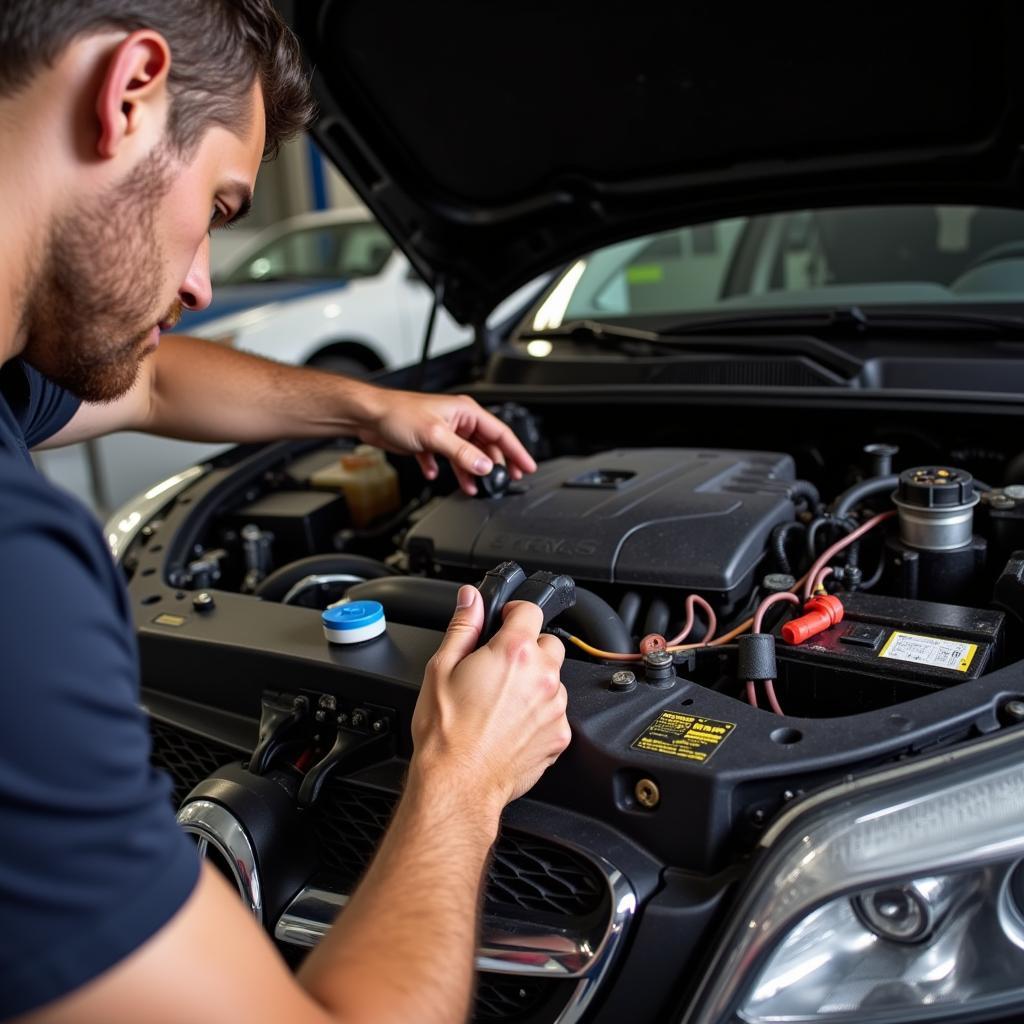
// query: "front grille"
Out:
[508,999]
[525,872]
[187,758]
[350,820]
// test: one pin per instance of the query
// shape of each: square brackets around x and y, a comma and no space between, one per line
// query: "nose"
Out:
[196,292]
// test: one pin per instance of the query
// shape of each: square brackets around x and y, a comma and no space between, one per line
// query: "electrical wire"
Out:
[769,684]
[830,552]
[819,581]
[695,599]
[805,581]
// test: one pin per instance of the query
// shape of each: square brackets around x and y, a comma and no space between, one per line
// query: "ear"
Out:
[133,89]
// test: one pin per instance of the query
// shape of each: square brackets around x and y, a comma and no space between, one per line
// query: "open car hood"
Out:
[495,141]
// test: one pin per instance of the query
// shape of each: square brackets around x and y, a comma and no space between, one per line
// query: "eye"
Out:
[219,218]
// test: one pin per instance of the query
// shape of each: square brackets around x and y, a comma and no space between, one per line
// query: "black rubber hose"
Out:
[411,600]
[415,601]
[279,582]
[629,609]
[778,541]
[806,490]
[846,523]
[597,622]
[657,617]
[858,492]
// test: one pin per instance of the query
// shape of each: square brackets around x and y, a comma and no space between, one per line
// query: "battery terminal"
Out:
[820,612]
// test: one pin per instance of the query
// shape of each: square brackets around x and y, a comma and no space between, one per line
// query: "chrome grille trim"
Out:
[508,945]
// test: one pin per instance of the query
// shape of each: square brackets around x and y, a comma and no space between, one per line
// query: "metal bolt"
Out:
[758,817]
[327,702]
[342,719]
[647,794]
[659,669]
[787,795]
[358,719]
[203,601]
[1002,501]
[379,725]
[1015,491]
[1013,711]
[321,716]
[622,682]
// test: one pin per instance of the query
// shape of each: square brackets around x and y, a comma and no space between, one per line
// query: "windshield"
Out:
[898,255]
[358,249]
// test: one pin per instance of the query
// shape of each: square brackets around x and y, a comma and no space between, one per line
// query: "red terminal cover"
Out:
[819,613]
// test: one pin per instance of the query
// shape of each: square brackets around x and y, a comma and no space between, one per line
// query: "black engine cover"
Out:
[672,517]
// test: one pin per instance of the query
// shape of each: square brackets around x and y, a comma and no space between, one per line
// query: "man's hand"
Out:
[201,391]
[491,719]
[454,426]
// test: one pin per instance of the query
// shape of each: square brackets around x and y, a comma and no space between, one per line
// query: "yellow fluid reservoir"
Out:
[368,481]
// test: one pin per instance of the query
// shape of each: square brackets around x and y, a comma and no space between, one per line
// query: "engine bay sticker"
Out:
[955,655]
[686,736]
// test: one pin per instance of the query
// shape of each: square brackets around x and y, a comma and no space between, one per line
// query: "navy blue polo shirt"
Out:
[92,863]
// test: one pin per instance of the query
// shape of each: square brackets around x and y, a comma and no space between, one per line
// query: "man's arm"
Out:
[486,725]
[199,390]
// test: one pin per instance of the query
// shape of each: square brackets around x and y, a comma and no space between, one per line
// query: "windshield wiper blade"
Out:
[596,330]
[850,321]
[672,343]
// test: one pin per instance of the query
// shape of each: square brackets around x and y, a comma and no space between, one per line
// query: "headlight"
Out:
[899,897]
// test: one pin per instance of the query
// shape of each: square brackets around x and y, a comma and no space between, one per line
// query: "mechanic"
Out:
[127,129]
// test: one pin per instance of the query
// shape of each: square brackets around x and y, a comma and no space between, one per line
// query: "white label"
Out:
[954,655]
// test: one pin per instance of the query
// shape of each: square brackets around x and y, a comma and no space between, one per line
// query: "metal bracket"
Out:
[283,717]
[363,737]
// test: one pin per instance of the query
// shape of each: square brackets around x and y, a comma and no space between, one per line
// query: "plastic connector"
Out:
[819,613]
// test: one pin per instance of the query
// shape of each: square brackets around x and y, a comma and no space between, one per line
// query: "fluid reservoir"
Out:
[936,508]
[936,557]
[368,481]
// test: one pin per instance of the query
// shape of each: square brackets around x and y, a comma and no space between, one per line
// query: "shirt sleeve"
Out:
[48,409]
[92,862]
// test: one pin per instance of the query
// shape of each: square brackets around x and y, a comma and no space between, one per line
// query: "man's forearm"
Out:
[403,948]
[205,391]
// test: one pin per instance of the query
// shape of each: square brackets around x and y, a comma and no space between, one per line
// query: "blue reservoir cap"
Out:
[352,616]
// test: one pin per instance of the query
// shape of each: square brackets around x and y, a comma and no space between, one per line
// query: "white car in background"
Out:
[327,289]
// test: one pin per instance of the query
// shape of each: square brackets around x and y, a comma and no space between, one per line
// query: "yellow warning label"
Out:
[170,620]
[686,736]
[955,655]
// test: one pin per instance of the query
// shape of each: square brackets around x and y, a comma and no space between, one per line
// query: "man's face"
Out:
[119,265]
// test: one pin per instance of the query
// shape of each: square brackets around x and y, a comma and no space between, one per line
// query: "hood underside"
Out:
[495,141]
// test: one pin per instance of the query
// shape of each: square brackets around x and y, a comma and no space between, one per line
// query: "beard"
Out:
[90,309]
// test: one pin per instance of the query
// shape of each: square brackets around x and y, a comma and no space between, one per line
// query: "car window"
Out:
[330,250]
[902,254]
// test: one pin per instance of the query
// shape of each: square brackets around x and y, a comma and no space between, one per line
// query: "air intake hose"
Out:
[416,601]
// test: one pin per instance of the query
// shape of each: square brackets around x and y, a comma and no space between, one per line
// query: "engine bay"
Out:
[747,626]
[918,568]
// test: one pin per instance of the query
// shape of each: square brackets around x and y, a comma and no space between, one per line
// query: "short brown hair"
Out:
[218,48]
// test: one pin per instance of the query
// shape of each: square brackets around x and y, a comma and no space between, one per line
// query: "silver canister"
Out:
[936,507]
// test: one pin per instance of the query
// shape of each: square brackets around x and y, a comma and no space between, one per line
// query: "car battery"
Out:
[886,650]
